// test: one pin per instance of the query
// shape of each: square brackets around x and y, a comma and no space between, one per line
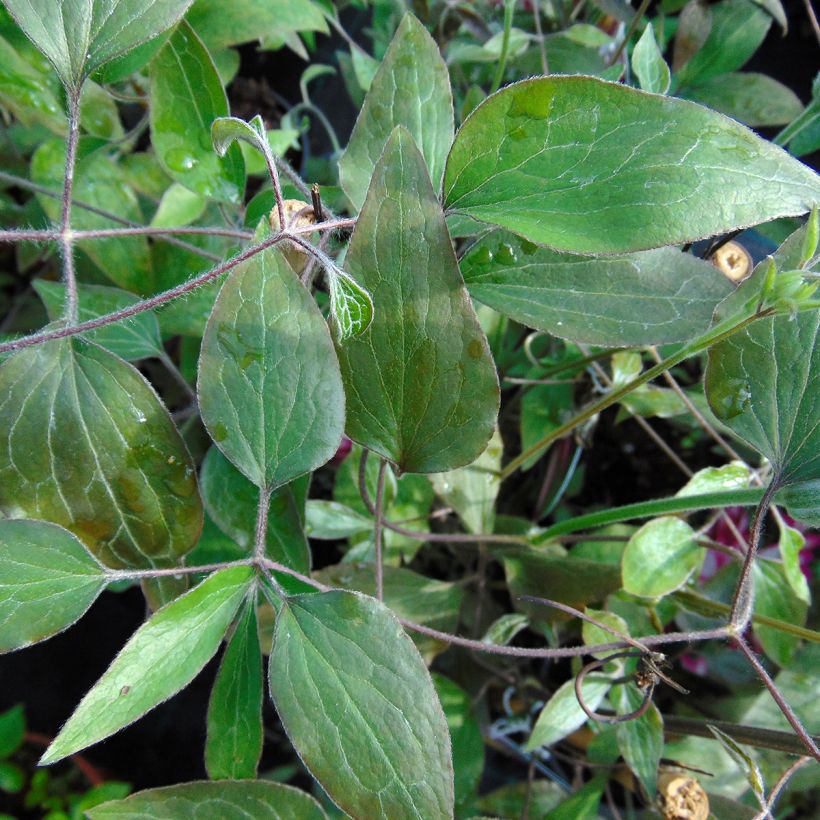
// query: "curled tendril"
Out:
[647,677]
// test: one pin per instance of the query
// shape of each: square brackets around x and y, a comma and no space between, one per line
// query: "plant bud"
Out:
[298,214]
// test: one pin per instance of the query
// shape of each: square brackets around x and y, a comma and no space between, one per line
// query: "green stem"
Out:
[509,8]
[747,497]
[633,24]
[717,334]
[699,603]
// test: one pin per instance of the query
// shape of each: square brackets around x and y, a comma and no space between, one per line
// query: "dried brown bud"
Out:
[733,261]
[298,214]
[681,797]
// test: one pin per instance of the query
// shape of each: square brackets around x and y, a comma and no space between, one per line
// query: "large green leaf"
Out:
[223,799]
[764,383]
[222,24]
[186,97]
[269,384]
[161,657]
[98,182]
[47,581]
[587,166]
[753,99]
[79,36]
[359,707]
[421,386]
[412,89]
[232,502]
[774,598]
[652,297]
[131,339]
[738,28]
[87,444]
[234,741]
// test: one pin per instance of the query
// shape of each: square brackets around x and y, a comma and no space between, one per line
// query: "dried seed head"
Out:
[733,261]
[681,797]
[298,214]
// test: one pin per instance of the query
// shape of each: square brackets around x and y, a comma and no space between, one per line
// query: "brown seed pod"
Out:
[681,797]
[298,214]
[733,261]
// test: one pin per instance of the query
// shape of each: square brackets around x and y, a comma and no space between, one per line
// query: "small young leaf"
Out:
[648,64]
[774,598]
[162,657]
[747,763]
[570,162]
[225,130]
[223,799]
[351,306]
[645,298]
[640,740]
[660,557]
[79,37]
[48,581]
[131,339]
[412,89]
[421,386]
[179,206]
[87,444]
[792,542]
[181,120]
[764,383]
[472,490]
[714,479]
[332,520]
[382,747]
[593,634]
[12,730]
[232,502]
[562,714]
[270,390]
[234,741]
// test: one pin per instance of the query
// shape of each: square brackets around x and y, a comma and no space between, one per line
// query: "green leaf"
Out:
[234,742]
[733,476]
[350,304]
[381,748]
[269,385]
[179,206]
[411,596]
[660,557]
[764,383]
[593,635]
[98,113]
[331,520]
[131,339]
[775,598]
[792,542]
[12,730]
[222,24]
[421,386]
[649,65]
[472,490]
[79,36]
[583,803]
[48,581]
[465,737]
[738,28]
[87,444]
[98,182]
[645,298]
[224,799]
[227,130]
[588,166]
[162,657]
[562,714]
[539,797]
[802,500]
[640,740]
[558,577]
[186,97]
[412,89]
[755,100]
[743,759]
[232,502]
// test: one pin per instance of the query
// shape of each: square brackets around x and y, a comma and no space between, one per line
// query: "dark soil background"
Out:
[166,746]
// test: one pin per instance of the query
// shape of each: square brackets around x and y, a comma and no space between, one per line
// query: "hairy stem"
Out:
[66,236]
